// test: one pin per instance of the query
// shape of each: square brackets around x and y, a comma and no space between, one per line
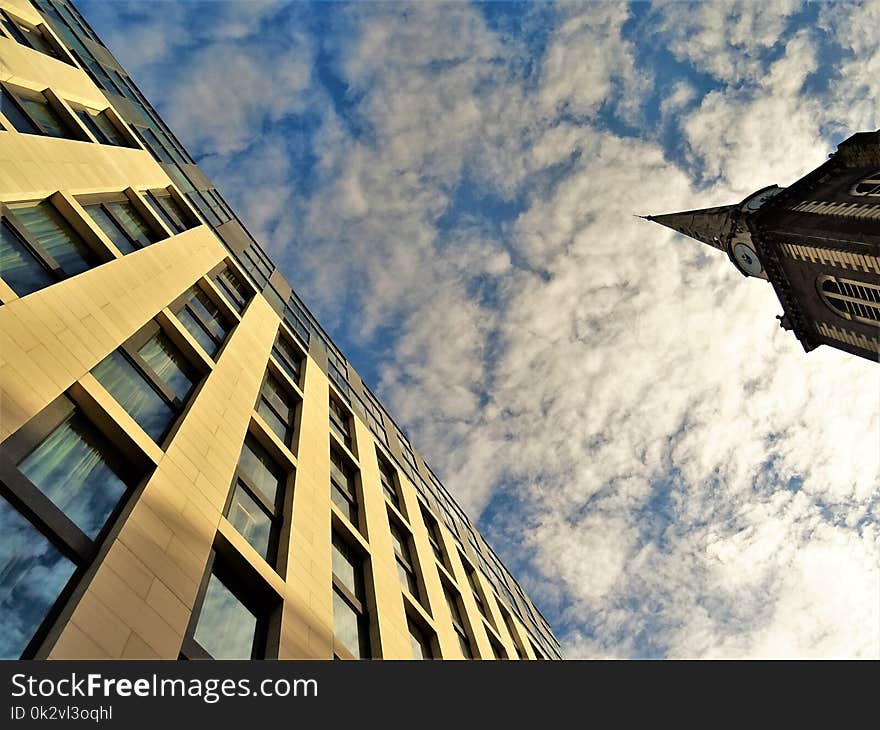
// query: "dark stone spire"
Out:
[709,225]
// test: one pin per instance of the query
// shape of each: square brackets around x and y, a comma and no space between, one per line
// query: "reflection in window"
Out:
[19,267]
[342,486]
[226,628]
[32,575]
[277,406]
[123,225]
[350,621]
[101,127]
[76,469]
[203,320]
[152,382]
[55,235]
[169,210]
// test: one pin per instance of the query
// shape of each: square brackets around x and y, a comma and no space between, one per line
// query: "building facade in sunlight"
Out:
[817,242]
[190,467]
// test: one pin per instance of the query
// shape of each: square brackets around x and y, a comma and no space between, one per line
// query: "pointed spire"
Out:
[709,225]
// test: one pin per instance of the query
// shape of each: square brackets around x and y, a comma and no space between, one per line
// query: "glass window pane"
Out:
[18,266]
[287,358]
[136,227]
[273,421]
[209,312]
[407,579]
[262,470]
[36,40]
[54,234]
[72,468]
[135,394]
[14,115]
[234,289]
[347,626]
[419,642]
[158,204]
[89,121]
[109,131]
[13,29]
[464,645]
[110,228]
[44,115]
[280,398]
[345,569]
[348,508]
[250,520]
[226,628]
[32,574]
[169,365]
[199,333]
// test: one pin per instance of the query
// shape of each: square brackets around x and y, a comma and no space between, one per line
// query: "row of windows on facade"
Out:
[40,244]
[351,617]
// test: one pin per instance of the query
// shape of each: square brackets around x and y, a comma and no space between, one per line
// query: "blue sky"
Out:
[450,187]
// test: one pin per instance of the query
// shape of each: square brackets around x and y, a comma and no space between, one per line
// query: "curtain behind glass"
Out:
[70,468]
[54,234]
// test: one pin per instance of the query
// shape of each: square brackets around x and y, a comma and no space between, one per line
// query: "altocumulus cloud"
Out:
[666,471]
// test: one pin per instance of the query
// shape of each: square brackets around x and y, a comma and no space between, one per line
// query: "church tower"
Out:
[817,242]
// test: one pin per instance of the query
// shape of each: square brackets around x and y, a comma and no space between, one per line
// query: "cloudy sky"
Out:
[451,188]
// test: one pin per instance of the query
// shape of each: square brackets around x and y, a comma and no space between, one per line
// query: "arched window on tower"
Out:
[856,300]
[868,186]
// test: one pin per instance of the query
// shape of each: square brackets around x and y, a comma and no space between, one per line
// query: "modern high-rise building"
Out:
[817,242]
[190,467]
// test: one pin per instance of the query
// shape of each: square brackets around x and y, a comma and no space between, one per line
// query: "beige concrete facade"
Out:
[136,597]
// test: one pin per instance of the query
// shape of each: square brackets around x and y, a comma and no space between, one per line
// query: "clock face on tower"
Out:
[747,259]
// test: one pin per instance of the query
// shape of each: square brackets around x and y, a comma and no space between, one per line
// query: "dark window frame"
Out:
[20,33]
[184,302]
[238,303]
[239,585]
[271,401]
[87,201]
[35,249]
[275,512]
[153,197]
[49,520]
[341,425]
[358,604]
[349,491]
[400,535]
[70,125]
[282,358]
[129,350]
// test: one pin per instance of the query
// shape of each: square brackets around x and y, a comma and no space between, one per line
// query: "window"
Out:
[237,293]
[453,601]
[868,186]
[258,493]
[29,35]
[39,247]
[62,481]
[343,491]
[122,224]
[511,629]
[277,406]
[407,452]
[406,567]
[389,481]
[32,113]
[340,421]
[350,618]
[477,590]
[288,357]
[851,299]
[434,538]
[100,125]
[202,319]
[169,210]
[497,650]
[228,621]
[150,378]
[419,641]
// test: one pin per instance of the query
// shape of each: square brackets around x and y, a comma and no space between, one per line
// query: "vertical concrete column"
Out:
[307,614]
